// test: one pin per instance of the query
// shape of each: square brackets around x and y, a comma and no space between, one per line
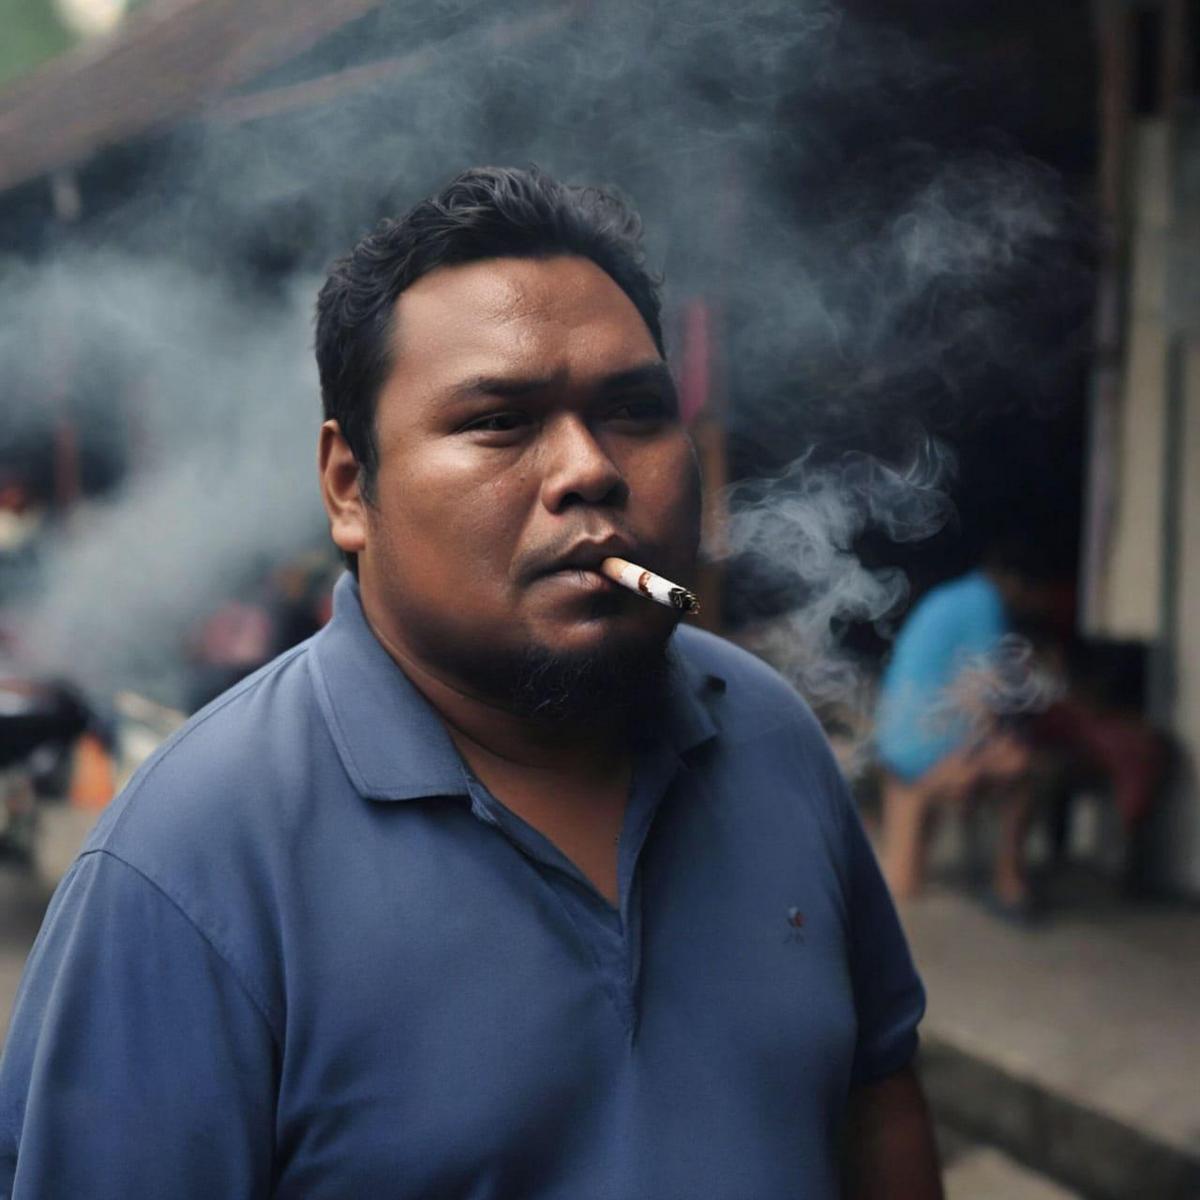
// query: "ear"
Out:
[340,492]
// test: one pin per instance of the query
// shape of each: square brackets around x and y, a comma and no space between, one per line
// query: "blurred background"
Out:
[931,292]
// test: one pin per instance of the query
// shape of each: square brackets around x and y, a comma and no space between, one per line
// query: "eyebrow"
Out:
[651,374]
[655,373]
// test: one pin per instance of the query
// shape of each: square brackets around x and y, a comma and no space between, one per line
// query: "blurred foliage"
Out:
[32,33]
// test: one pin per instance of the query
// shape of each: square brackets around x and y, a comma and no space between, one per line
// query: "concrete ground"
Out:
[988,1174]
[975,1171]
[1074,1045]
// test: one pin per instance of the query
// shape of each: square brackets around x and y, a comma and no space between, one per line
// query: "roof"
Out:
[165,62]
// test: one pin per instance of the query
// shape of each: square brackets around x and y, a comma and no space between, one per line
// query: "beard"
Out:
[629,682]
[624,678]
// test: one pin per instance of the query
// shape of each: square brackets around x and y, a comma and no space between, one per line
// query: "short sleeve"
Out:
[136,1064]
[889,996]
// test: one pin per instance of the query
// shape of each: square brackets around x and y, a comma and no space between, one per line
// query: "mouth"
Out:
[575,578]
[584,558]
[584,579]
[581,579]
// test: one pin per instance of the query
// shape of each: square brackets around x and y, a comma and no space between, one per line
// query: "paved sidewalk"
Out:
[1076,1045]
[988,1174]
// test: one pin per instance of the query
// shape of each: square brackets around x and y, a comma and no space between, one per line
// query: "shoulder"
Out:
[208,820]
[755,699]
[970,595]
[771,758]
[967,601]
[228,754]
[745,675]
[974,610]
[941,601]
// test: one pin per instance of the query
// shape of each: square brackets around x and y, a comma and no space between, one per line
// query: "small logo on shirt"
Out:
[795,920]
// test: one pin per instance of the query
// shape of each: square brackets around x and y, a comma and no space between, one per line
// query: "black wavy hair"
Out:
[486,212]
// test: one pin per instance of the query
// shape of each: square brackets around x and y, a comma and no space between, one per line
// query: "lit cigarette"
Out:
[646,583]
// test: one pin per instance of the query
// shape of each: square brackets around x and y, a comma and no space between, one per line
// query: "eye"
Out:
[497,422]
[641,409]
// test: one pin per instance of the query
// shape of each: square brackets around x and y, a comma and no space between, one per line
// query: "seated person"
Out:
[938,740]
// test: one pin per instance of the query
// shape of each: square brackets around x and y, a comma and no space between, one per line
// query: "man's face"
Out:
[528,429]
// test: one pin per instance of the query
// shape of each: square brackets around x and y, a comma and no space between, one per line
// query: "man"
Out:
[500,886]
[939,738]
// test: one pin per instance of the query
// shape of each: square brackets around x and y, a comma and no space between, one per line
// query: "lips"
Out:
[587,555]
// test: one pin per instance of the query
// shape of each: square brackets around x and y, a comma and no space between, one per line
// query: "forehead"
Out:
[561,315]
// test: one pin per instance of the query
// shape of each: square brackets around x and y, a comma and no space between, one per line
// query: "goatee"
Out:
[628,682]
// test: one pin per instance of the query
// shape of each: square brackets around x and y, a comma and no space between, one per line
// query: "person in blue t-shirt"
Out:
[939,738]
[503,884]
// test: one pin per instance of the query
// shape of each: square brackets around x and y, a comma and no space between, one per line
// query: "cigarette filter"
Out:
[646,583]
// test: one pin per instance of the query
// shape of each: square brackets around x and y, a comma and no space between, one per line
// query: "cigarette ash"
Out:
[683,600]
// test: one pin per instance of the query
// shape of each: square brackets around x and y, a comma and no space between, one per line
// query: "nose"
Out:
[579,470]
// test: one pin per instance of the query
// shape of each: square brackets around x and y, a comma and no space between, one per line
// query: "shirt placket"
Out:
[612,935]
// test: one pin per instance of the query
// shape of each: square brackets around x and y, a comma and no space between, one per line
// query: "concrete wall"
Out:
[1131,598]
[1179,836]
[1181,824]
[1148,578]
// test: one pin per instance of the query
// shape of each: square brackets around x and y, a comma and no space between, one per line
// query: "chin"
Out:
[619,622]
[617,670]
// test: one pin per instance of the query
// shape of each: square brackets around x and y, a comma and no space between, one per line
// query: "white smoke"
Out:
[1008,680]
[800,529]
[225,465]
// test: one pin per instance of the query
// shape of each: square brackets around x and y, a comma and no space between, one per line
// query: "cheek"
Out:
[507,495]
[450,517]
[491,515]
[673,484]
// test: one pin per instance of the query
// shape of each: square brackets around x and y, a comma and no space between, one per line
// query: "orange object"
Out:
[93,779]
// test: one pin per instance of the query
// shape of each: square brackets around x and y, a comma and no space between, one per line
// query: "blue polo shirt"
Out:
[307,955]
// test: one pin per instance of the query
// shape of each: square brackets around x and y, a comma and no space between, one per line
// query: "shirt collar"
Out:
[391,742]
